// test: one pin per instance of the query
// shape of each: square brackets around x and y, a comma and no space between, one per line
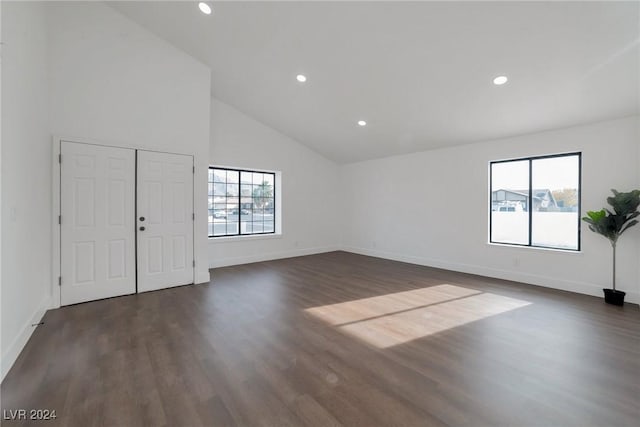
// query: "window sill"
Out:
[250,237]
[506,245]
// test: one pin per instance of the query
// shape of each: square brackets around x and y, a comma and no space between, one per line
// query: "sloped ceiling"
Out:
[419,73]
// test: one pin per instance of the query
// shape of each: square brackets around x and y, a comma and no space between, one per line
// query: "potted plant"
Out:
[611,225]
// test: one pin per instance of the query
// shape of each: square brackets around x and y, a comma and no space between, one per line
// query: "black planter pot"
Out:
[614,297]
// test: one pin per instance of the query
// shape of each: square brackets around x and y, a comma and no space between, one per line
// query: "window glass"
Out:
[241,202]
[555,214]
[536,201]
[509,200]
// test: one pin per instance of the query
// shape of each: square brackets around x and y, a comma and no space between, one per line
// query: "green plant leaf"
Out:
[611,224]
[595,215]
[629,225]
[624,203]
[633,215]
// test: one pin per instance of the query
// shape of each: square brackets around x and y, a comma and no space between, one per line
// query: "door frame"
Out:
[56,238]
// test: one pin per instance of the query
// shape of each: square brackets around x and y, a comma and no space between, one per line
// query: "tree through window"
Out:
[241,202]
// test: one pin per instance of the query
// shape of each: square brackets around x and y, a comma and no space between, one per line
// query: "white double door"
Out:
[126,221]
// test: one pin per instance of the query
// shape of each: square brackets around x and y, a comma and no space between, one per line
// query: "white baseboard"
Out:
[10,354]
[268,256]
[533,279]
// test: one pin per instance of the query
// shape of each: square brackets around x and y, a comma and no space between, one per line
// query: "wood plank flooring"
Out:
[267,344]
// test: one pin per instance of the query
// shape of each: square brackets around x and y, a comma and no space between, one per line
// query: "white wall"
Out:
[2,369]
[84,71]
[26,159]
[431,208]
[638,187]
[310,189]
[113,82]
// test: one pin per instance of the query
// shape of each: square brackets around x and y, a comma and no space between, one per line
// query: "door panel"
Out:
[165,201]
[98,229]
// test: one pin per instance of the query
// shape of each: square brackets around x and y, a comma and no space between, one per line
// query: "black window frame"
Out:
[529,200]
[239,233]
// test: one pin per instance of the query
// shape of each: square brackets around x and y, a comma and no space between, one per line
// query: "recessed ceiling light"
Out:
[500,80]
[362,123]
[205,8]
[301,78]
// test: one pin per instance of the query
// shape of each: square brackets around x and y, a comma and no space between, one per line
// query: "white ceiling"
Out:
[420,73]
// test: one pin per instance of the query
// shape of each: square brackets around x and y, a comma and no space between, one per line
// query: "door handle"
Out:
[141,228]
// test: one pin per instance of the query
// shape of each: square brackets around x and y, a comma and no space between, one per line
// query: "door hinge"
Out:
[59,280]
[193,216]
[194,169]
[194,262]
[60,219]
[59,158]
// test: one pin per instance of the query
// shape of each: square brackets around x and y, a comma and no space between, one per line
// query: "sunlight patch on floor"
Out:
[397,318]
[352,311]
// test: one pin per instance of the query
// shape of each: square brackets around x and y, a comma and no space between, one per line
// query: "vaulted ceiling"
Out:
[419,73]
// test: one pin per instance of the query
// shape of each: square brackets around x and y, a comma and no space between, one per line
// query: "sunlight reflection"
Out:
[631,47]
[397,318]
[367,308]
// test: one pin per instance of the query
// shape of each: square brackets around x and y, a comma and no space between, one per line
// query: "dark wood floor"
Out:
[248,350]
